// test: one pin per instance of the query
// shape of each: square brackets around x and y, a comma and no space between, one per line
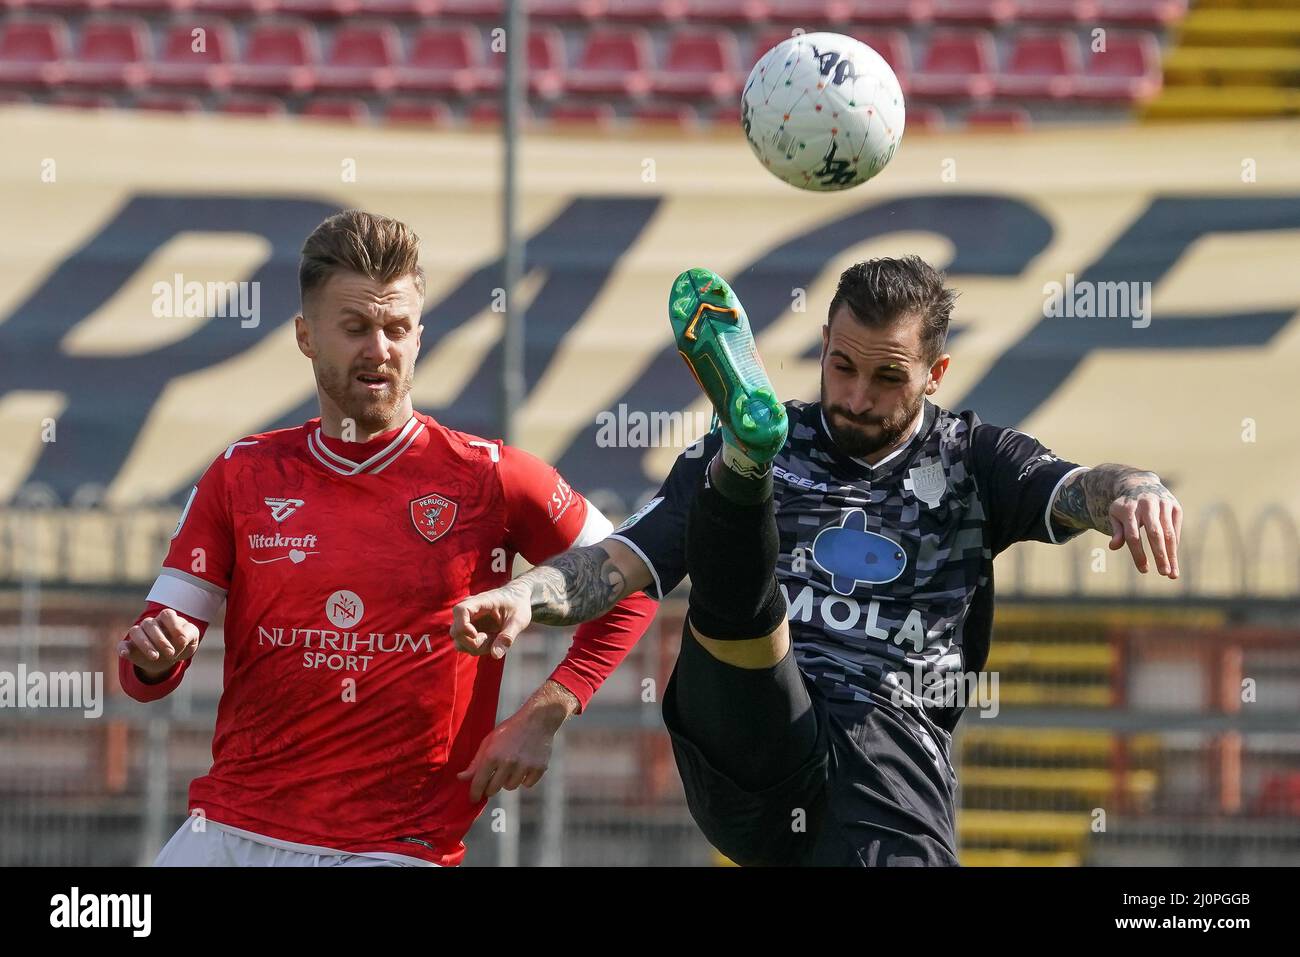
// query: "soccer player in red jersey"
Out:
[349,729]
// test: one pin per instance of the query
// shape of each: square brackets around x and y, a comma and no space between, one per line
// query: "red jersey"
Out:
[347,711]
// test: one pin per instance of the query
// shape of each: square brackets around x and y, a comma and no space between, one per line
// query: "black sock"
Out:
[732,474]
[731,552]
[757,726]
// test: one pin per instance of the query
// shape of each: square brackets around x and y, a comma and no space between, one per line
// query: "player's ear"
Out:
[936,374]
[826,339]
[302,332]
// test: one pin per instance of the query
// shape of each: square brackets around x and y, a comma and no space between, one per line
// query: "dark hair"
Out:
[880,292]
[375,246]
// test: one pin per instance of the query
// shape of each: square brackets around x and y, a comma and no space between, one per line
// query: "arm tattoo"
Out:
[1084,500]
[575,586]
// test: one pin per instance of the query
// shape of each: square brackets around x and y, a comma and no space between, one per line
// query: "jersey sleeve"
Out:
[134,682]
[600,645]
[544,515]
[195,575]
[657,533]
[1019,478]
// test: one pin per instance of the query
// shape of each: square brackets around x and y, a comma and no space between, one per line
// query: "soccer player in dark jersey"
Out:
[841,564]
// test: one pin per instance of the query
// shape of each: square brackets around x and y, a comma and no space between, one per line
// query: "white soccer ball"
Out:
[822,111]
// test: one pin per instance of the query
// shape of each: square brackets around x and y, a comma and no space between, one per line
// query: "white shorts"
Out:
[205,843]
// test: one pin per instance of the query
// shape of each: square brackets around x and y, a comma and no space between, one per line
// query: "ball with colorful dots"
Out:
[822,111]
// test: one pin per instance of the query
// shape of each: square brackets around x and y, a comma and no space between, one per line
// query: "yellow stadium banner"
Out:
[1127,294]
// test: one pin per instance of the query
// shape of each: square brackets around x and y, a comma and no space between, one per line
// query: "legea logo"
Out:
[344,609]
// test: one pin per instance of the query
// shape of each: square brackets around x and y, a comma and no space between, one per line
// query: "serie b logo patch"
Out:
[433,515]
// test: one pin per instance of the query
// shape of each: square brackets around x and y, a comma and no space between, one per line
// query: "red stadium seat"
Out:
[923,119]
[362,60]
[253,106]
[1144,13]
[1001,118]
[489,113]
[280,59]
[735,12]
[598,115]
[83,101]
[182,67]
[111,56]
[957,65]
[68,6]
[31,51]
[586,11]
[1127,71]
[982,13]
[338,108]
[443,60]
[147,6]
[1056,11]
[646,11]
[891,11]
[401,8]
[422,112]
[699,66]
[725,117]
[614,63]
[811,15]
[763,42]
[893,47]
[233,8]
[168,103]
[546,64]
[474,9]
[664,115]
[318,9]
[1042,66]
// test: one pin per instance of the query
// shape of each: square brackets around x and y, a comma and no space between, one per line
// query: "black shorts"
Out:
[869,795]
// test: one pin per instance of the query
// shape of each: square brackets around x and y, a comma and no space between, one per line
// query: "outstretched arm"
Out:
[1120,500]
[587,584]
[583,583]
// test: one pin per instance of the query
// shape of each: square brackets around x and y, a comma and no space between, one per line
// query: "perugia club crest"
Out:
[433,515]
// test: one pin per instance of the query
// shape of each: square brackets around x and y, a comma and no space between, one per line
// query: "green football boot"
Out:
[713,336]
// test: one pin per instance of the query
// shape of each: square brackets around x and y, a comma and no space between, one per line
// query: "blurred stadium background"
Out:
[1116,140]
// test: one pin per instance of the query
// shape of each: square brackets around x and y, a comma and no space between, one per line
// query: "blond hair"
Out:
[378,247]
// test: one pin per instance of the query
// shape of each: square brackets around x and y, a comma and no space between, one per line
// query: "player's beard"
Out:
[372,412]
[860,436]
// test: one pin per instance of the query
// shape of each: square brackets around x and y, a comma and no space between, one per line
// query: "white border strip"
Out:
[398,439]
[595,529]
[659,589]
[1047,514]
[171,590]
[399,444]
[312,443]
[398,454]
[297,848]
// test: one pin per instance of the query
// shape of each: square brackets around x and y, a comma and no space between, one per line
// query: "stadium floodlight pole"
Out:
[512,335]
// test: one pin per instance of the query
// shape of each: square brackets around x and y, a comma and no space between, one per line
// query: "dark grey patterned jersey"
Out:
[887,570]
